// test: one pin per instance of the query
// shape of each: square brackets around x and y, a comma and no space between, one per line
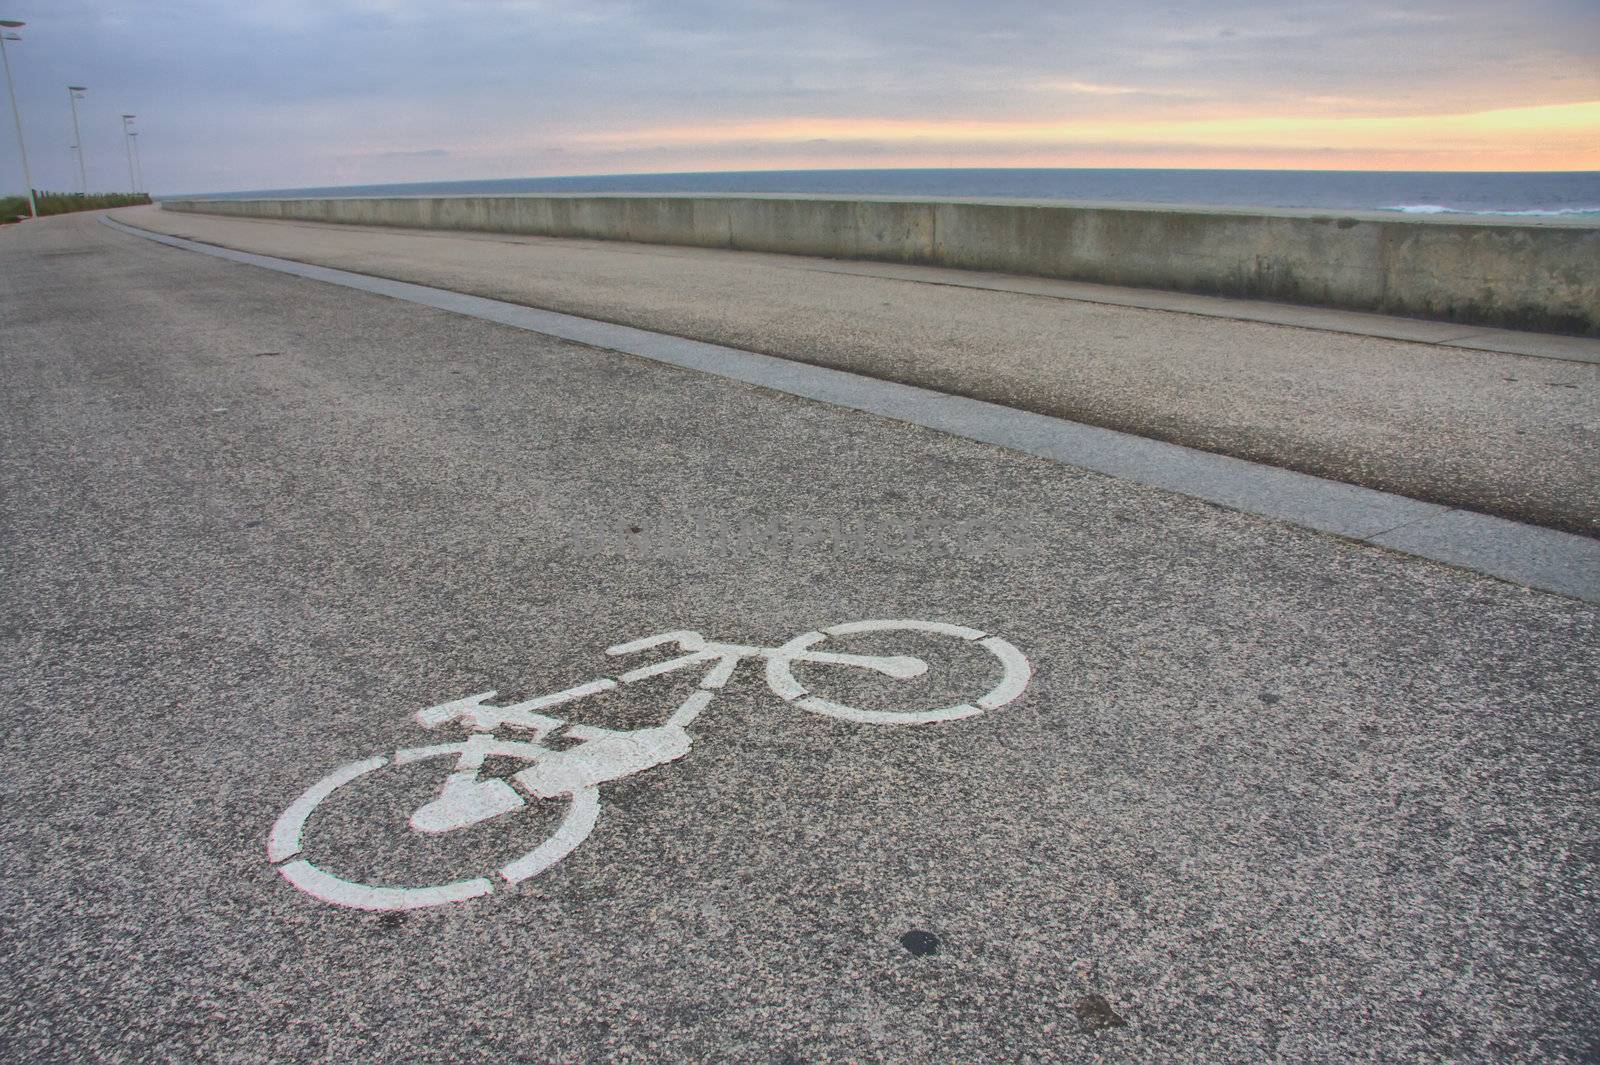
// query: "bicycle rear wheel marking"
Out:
[285,839]
[575,828]
[285,842]
[329,888]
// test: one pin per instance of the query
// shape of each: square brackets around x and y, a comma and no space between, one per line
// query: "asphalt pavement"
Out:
[1267,794]
[1387,403]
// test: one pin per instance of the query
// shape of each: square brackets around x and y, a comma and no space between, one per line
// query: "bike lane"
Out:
[1264,795]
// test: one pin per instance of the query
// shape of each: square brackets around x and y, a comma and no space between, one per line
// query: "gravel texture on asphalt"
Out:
[1270,796]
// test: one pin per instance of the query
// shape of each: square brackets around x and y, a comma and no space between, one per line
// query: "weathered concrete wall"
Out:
[1489,272]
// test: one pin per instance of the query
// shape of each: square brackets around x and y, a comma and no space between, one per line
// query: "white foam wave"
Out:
[1433,208]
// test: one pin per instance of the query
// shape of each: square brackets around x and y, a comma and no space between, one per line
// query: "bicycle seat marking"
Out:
[573,774]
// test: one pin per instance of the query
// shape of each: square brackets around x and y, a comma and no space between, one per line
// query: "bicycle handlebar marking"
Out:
[575,774]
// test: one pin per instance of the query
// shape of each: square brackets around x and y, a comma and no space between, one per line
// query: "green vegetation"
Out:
[15,208]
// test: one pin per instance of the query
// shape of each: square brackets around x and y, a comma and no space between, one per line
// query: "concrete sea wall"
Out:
[1493,272]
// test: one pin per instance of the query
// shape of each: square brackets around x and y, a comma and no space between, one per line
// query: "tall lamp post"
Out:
[127,141]
[16,116]
[75,93]
[138,164]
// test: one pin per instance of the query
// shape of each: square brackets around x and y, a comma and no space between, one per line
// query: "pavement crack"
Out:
[1409,522]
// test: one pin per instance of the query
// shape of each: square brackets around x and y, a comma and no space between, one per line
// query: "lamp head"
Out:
[11,23]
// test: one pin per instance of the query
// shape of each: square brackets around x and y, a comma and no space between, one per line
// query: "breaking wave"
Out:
[1433,208]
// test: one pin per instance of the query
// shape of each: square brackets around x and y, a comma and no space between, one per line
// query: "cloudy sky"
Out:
[235,95]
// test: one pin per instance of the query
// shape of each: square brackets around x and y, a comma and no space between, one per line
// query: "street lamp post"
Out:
[16,116]
[138,164]
[75,93]
[127,141]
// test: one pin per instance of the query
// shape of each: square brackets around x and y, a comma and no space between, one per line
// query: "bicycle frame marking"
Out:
[601,755]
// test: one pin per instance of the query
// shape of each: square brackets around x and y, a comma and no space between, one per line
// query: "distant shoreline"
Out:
[1529,195]
[1574,219]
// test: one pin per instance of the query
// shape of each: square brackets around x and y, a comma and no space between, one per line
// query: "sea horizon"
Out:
[1530,193]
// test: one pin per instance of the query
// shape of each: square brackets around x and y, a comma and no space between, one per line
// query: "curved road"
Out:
[1267,795]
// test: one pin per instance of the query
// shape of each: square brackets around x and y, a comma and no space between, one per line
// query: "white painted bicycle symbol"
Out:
[573,774]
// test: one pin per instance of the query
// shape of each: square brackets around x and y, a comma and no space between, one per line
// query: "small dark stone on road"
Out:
[920,943]
[1270,697]
[635,529]
[1094,1013]
[252,524]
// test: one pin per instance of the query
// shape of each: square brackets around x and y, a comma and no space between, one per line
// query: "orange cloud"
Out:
[1552,137]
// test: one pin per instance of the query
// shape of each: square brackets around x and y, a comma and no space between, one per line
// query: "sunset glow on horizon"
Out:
[1551,137]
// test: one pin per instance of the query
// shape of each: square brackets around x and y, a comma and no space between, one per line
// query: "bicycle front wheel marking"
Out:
[1015,674]
[887,717]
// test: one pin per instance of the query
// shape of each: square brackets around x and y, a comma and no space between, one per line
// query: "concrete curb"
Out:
[1521,554]
[1556,346]
[1501,272]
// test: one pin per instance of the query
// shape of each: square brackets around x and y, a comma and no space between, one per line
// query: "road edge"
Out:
[1528,555]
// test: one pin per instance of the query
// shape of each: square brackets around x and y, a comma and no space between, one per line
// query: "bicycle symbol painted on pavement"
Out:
[572,775]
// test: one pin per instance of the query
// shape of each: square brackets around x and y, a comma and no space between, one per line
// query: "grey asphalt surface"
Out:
[1503,434]
[1271,796]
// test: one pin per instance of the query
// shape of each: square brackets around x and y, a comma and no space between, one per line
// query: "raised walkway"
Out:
[1492,421]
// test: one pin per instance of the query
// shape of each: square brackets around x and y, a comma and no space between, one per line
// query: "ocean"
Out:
[1532,194]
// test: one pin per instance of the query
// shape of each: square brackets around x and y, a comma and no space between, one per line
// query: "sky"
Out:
[286,93]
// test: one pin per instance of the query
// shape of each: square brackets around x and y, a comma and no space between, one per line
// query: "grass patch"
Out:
[15,208]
